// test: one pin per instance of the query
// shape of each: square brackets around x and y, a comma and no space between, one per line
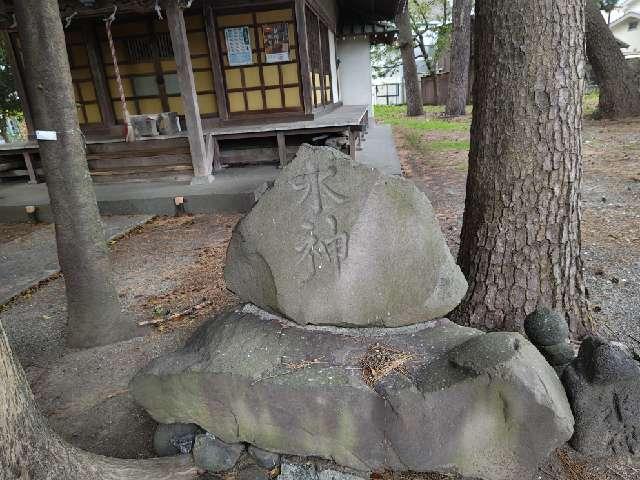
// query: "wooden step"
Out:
[141,170]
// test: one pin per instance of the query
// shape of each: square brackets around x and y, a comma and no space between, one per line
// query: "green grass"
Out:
[443,145]
[396,111]
[413,129]
[396,115]
[418,143]
[590,103]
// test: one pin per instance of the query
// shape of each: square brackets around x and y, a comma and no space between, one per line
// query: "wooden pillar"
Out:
[33,178]
[213,150]
[303,53]
[16,65]
[216,67]
[282,148]
[201,161]
[352,144]
[99,76]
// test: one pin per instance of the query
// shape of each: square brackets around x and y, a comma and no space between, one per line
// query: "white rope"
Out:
[69,19]
[158,10]
[129,134]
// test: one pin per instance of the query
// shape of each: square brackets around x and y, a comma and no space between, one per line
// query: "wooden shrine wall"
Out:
[263,85]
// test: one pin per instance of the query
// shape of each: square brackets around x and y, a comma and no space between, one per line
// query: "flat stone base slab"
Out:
[458,400]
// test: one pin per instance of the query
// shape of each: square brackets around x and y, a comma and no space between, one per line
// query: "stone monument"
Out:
[343,353]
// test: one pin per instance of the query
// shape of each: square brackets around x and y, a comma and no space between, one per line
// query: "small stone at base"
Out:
[264,458]
[171,439]
[546,327]
[214,455]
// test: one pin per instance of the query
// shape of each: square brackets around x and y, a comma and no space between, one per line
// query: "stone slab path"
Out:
[379,150]
[28,260]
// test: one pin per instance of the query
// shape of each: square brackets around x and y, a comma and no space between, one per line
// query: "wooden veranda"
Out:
[165,156]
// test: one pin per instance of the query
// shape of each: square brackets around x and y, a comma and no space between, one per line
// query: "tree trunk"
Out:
[520,241]
[460,53]
[32,451]
[4,130]
[619,85]
[94,313]
[412,88]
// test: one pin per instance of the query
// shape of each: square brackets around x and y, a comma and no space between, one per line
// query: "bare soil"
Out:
[11,231]
[163,267]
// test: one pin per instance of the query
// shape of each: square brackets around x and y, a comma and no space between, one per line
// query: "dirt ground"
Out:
[610,214]
[171,264]
[163,267]
[12,231]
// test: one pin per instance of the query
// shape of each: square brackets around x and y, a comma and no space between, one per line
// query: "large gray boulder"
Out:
[454,399]
[336,242]
[603,386]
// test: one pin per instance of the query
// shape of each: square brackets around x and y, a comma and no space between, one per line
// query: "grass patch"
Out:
[590,103]
[444,145]
[384,112]
[396,115]
[415,141]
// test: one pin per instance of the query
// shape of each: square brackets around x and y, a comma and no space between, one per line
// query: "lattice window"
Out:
[165,48]
[142,49]
[148,69]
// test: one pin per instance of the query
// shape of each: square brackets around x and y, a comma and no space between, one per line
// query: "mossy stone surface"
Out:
[482,405]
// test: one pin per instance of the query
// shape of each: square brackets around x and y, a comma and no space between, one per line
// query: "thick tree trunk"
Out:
[619,85]
[94,312]
[412,88]
[31,451]
[460,53]
[520,242]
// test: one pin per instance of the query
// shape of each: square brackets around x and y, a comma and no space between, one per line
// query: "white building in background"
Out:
[625,25]
[355,71]
[354,68]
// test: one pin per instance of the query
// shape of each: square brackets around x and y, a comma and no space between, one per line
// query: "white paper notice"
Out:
[46,135]
[238,46]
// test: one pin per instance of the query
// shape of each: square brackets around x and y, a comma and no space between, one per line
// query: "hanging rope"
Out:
[69,19]
[129,133]
[158,10]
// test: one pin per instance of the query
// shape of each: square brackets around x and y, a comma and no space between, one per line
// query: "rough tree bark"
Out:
[460,54]
[413,92]
[32,451]
[520,241]
[94,313]
[619,85]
